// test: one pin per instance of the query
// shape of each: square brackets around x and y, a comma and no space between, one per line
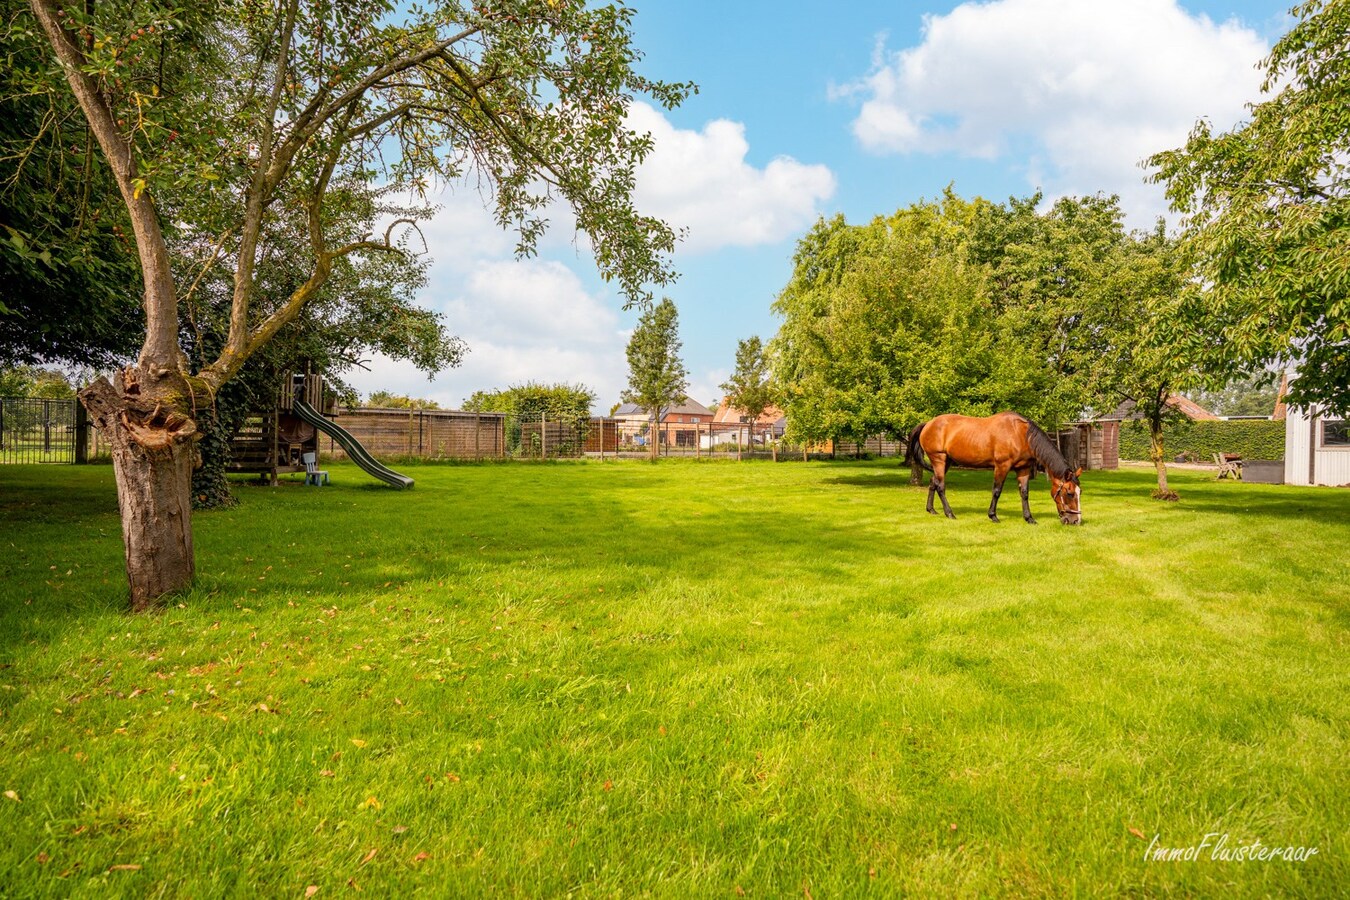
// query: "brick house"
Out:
[728,419]
[679,427]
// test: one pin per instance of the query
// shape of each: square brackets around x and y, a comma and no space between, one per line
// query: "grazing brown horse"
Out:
[1005,443]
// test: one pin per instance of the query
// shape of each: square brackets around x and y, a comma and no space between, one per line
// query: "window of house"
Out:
[1334,433]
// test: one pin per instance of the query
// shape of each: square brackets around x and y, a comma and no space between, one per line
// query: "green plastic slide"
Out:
[355,452]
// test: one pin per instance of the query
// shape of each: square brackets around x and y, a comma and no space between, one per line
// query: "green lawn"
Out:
[686,679]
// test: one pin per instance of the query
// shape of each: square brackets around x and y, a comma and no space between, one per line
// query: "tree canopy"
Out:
[974,307]
[950,306]
[69,272]
[532,399]
[750,387]
[1267,217]
[657,377]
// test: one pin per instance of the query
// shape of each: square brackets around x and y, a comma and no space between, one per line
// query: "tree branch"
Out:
[160,352]
[256,201]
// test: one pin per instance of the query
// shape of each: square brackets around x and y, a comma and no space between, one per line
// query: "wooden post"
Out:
[543,435]
[81,434]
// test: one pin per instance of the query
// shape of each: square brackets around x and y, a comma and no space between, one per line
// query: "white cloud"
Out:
[700,180]
[526,320]
[1079,90]
[535,320]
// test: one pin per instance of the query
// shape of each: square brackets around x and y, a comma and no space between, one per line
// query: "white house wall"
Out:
[1329,466]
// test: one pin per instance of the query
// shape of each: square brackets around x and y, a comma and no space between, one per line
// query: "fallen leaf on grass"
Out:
[399,829]
[1137,833]
[421,857]
[125,867]
[326,773]
[311,890]
[358,742]
[373,803]
[369,856]
[13,795]
[609,785]
[42,858]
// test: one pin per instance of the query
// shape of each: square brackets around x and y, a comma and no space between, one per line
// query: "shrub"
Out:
[1255,439]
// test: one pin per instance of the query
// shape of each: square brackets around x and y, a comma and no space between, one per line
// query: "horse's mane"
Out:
[1046,453]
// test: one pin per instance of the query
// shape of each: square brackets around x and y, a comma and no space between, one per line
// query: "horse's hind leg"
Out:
[1023,476]
[1000,474]
[939,483]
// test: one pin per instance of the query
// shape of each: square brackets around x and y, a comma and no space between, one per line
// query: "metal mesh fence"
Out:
[34,430]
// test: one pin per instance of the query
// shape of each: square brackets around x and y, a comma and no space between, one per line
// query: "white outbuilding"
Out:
[1316,448]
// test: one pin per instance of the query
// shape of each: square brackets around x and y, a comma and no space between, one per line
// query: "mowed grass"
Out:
[682,679]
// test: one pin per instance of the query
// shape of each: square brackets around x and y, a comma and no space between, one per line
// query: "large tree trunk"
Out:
[153,451]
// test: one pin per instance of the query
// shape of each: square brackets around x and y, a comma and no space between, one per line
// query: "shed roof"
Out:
[1182,404]
[687,408]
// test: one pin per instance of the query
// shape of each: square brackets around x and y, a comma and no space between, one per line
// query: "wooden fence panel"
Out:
[426,433]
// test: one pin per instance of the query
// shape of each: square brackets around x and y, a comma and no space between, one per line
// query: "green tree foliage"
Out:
[31,381]
[69,271]
[657,378]
[1254,395]
[973,307]
[1267,209]
[533,399]
[750,387]
[891,323]
[1132,331]
[386,400]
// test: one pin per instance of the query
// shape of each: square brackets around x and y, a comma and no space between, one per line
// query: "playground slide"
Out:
[355,452]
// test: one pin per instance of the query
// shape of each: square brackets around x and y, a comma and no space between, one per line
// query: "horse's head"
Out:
[1068,494]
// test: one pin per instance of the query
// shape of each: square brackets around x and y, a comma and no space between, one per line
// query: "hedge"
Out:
[1199,441]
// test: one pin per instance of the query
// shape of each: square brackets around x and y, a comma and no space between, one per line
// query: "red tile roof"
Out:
[732,415]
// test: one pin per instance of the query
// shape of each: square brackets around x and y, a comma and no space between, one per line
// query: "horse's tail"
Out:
[914,452]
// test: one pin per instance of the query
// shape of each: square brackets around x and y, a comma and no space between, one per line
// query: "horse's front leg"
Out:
[1000,475]
[1022,478]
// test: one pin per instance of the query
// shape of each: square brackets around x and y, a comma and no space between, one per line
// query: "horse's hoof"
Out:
[1030,520]
[932,512]
[951,515]
[994,519]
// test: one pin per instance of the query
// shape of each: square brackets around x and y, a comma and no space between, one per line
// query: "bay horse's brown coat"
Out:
[1006,442]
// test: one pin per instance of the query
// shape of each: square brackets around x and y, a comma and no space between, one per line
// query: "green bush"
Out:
[1255,439]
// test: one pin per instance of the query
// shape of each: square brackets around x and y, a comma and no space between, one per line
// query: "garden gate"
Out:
[35,430]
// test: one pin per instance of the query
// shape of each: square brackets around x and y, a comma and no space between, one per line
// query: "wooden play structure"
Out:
[274,442]
[285,438]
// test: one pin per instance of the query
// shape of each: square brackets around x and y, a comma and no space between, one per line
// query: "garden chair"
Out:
[313,472]
[1228,466]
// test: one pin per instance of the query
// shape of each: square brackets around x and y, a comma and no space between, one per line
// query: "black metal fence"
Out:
[34,430]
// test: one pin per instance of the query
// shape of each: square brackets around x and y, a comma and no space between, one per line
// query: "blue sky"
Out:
[808,109]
